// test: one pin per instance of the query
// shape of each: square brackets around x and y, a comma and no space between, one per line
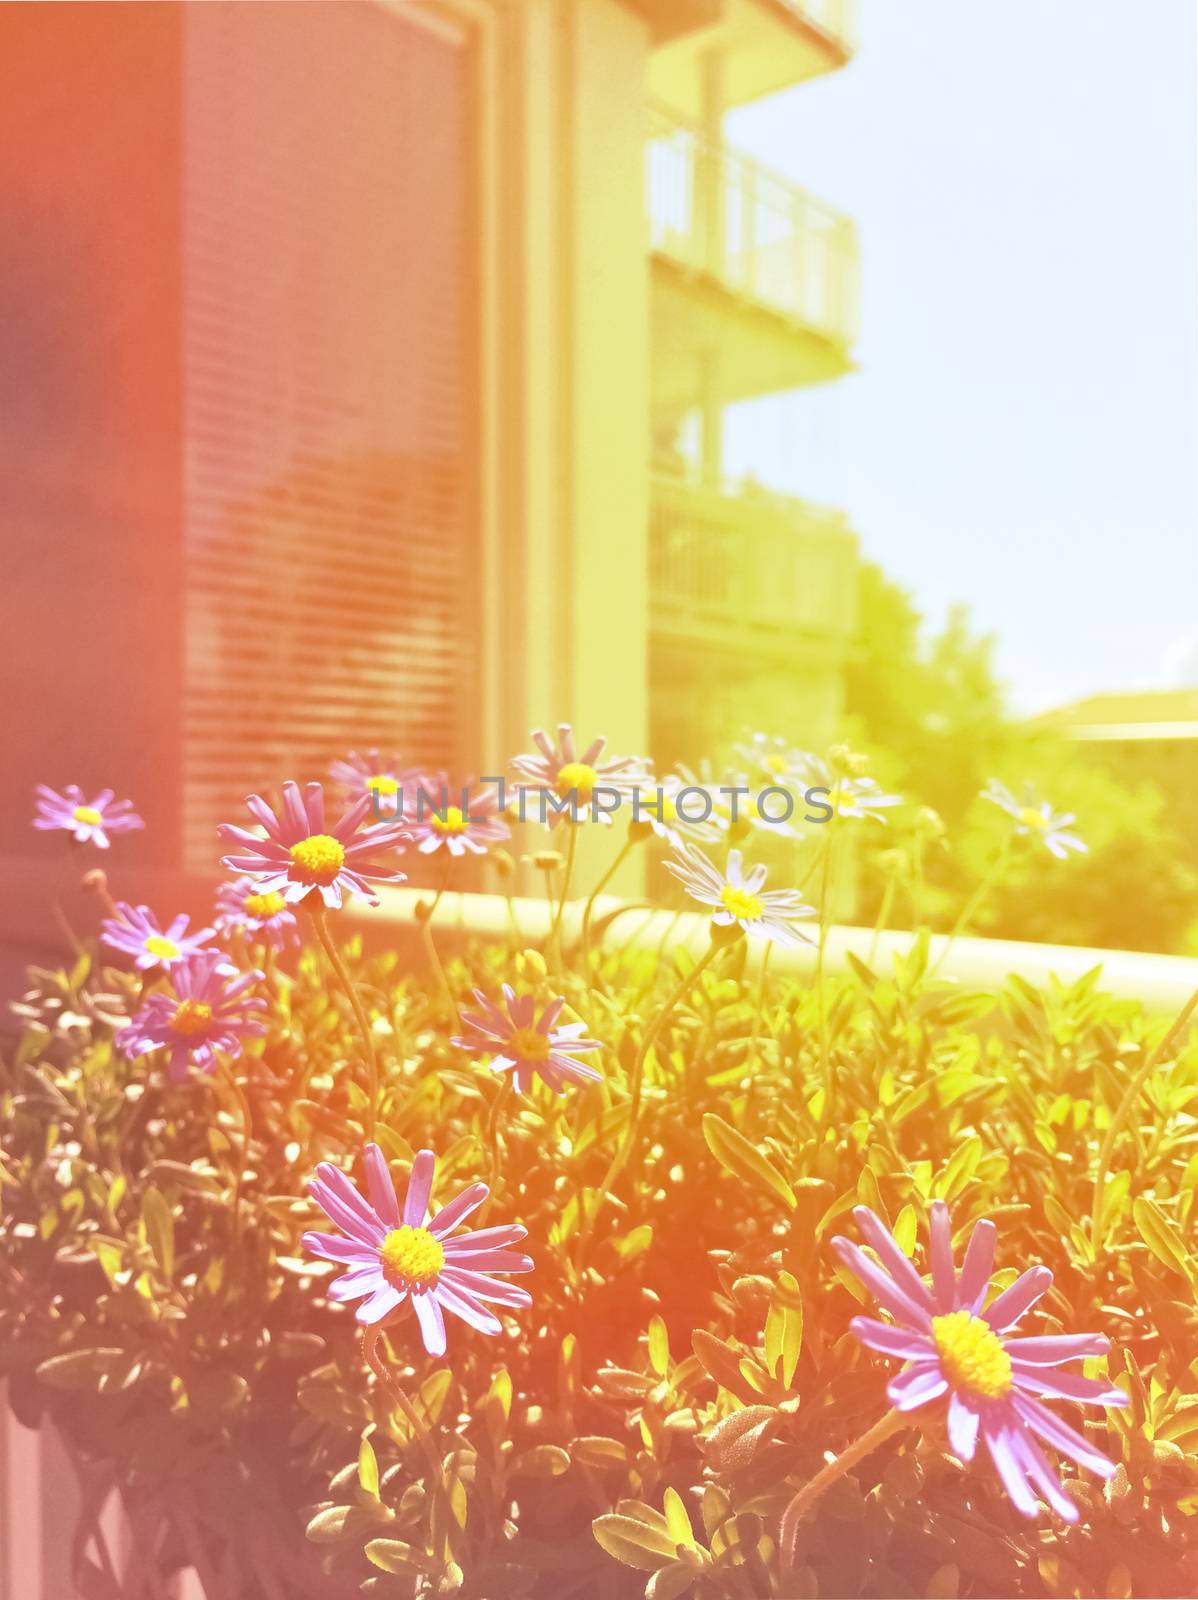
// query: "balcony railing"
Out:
[742,564]
[725,215]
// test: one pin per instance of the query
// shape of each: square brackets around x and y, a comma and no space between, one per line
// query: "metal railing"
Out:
[738,560]
[719,212]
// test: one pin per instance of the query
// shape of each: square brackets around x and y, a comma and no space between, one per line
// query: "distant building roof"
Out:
[1147,714]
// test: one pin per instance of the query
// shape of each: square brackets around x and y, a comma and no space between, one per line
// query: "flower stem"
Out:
[1130,1095]
[351,994]
[426,932]
[589,908]
[800,1506]
[555,932]
[989,879]
[678,994]
[247,1128]
[827,1070]
[370,1339]
[883,917]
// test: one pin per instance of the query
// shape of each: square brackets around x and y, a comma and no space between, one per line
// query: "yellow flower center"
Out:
[450,822]
[654,808]
[576,778]
[774,764]
[88,814]
[744,907]
[317,860]
[382,784]
[1034,819]
[972,1354]
[191,1018]
[165,949]
[411,1255]
[264,905]
[529,1044]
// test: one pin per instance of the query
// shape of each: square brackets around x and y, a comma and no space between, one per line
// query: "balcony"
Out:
[742,567]
[764,45]
[755,281]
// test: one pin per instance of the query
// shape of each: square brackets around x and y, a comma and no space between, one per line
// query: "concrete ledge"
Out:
[1162,983]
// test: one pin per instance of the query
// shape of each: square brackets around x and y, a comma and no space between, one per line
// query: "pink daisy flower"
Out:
[1036,819]
[243,908]
[527,1046]
[136,931]
[434,824]
[739,896]
[382,779]
[559,771]
[298,857]
[207,1012]
[395,1254]
[957,1345]
[88,822]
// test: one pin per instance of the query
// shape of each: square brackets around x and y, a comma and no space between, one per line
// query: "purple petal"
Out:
[314,807]
[481,1288]
[915,1387]
[447,1219]
[353,1285]
[432,1323]
[486,1258]
[977,1266]
[944,1273]
[470,1310]
[1041,1475]
[346,1219]
[876,1233]
[381,1303]
[504,1234]
[1051,1351]
[334,1248]
[380,1188]
[420,1182]
[1010,1469]
[1061,1436]
[883,1288]
[349,1197]
[1066,1386]
[1014,1302]
[900,1342]
[963,1423]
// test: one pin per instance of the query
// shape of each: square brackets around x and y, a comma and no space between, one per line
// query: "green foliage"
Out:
[932,711]
[686,1364]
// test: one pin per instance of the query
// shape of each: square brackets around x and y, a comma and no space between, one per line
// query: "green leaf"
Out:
[677,1519]
[543,1461]
[659,1347]
[737,1156]
[667,1583]
[1162,1236]
[81,1369]
[393,1555]
[159,1227]
[593,1450]
[368,1469]
[784,1329]
[633,1542]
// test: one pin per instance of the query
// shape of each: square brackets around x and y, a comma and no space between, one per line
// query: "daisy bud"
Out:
[504,864]
[548,860]
[532,965]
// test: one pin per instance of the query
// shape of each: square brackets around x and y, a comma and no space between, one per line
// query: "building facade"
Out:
[361,375]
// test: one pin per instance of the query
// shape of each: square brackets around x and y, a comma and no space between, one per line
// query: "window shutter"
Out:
[330,565]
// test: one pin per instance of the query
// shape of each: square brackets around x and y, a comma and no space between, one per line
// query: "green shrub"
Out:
[686,1364]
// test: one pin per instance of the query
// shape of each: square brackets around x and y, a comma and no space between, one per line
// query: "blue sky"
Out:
[1023,433]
